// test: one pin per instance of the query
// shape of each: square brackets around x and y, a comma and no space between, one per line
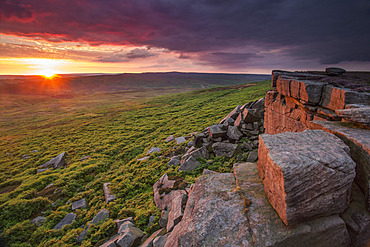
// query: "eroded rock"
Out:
[306,174]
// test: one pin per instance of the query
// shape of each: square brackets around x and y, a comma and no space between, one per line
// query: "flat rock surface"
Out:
[306,174]
[79,204]
[269,230]
[214,215]
[55,162]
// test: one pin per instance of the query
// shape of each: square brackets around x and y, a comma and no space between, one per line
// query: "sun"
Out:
[48,73]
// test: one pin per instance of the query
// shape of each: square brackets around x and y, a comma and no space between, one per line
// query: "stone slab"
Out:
[306,174]
[269,230]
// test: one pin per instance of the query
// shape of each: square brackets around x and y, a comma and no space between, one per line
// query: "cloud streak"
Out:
[214,32]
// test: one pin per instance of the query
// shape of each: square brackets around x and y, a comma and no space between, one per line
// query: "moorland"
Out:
[113,120]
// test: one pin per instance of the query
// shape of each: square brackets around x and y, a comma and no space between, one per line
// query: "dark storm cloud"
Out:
[330,30]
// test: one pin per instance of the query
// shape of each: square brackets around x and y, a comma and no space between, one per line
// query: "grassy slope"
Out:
[114,134]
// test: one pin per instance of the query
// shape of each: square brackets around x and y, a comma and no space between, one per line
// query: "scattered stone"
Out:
[85,158]
[268,229]
[153,150]
[174,161]
[213,216]
[25,156]
[233,133]
[216,131]
[190,144]
[38,221]
[151,220]
[333,71]
[196,153]
[198,139]
[79,204]
[180,140]
[124,226]
[144,158]
[189,164]
[55,162]
[252,156]
[149,241]
[131,236]
[305,174]
[107,194]
[101,216]
[35,151]
[247,146]
[224,149]
[67,220]
[120,222]
[169,138]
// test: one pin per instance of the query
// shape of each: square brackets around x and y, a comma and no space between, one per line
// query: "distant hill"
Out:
[85,83]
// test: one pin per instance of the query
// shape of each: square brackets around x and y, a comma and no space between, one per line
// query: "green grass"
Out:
[114,132]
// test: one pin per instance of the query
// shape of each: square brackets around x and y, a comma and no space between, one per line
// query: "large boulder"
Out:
[269,230]
[334,71]
[224,149]
[214,215]
[306,174]
[67,220]
[56,162]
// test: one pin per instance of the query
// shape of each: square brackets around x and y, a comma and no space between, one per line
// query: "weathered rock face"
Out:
[358,140]
[177,211]
[359,115]
[269,230]
[297,101]
[67,220]
[213,215]
[306,174]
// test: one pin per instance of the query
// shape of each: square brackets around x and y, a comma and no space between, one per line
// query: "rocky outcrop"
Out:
[268,229]
[303,97]
[305,174]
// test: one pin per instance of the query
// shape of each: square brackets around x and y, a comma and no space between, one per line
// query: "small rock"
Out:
[130,237]
[79,204]
[196,153]
[154,150]
[120,222]
[101,216]
[38,221]
[149,241]
[164,218]
[124,226]
[252,156]
[25,156]
[208,172]
[247,146]
[160,241]
[190,144]
[55,162]
[198,139]
[180,140]
[41,170]
[215,131]
[67,220]
[107,194]
[85,158]
[175,161]
[169,138]
[190,164]
[224,149]
[233,133]
[35,151]
[143,159]
[151,220]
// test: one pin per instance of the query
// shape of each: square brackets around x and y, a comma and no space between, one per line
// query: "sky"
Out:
[235,36]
